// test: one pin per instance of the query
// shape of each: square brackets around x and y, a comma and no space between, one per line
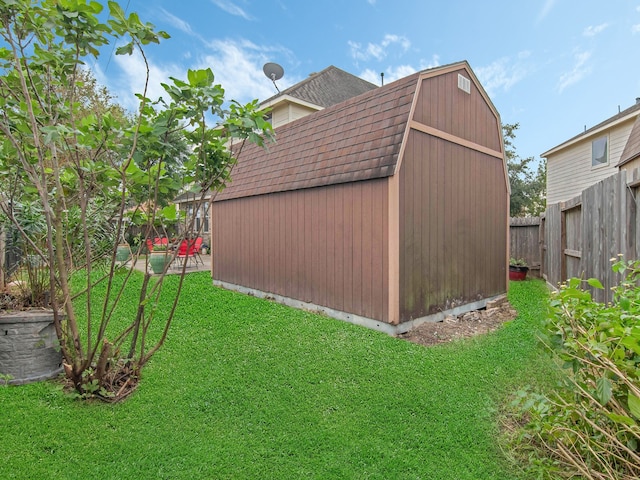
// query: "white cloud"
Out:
[177,23]
[133,77]
[393,73]
[371,2]
[378,50]
[237,65]
[580,70]
[592,31]
[504,73]
[635,29]
[231,8]
[548,6]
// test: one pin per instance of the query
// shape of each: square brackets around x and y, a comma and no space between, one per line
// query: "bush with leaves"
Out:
[86,165]
[590,424]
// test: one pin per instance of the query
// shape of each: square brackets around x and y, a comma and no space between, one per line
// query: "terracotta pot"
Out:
[518,273]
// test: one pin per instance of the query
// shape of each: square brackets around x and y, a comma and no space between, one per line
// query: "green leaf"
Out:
[125,50]
[621,419]
[625,303]
[632,344]
[603,390]
[595,283]
[634,405]
[170,212]
[200,78]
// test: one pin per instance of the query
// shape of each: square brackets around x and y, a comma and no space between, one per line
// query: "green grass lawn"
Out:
[247,388]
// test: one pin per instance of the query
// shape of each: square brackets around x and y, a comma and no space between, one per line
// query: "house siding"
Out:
[288,112]
[632,165]
[569,170]
[326,246]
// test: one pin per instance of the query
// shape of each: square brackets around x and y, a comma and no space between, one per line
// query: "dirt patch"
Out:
[466,325]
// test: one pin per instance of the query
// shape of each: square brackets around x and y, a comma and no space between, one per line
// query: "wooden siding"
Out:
[453,226]
[631,165]
[467,116]
[327,245]
[569,171]
[288,112]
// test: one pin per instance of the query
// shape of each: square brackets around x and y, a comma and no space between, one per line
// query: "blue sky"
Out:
[554,66]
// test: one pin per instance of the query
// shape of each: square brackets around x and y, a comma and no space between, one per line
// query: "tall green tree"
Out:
[528,185]
[84,162]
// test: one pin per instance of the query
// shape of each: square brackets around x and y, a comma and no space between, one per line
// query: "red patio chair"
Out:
[185,250]
[196,250]
[149,245]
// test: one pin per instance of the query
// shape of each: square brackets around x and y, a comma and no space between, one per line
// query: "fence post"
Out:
[3,280]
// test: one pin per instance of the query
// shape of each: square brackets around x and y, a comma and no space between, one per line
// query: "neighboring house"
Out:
[595,154]
[320,90]
[387,210]
[188,202]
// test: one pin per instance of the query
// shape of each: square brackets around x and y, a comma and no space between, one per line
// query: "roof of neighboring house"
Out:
[358,139]
[632,148]
[190,196]
[620,117]
[325,88]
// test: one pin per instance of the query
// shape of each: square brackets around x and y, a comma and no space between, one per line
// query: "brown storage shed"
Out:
[386,210]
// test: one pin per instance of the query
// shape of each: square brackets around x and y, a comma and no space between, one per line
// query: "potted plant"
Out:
[159,258]
[29,348]
[518,269]
[123,252]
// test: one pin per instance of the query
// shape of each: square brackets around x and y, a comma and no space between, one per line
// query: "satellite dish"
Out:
[273,72]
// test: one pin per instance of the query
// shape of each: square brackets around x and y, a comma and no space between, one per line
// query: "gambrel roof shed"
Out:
[387,209]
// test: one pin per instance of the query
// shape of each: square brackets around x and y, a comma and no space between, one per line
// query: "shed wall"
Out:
[327,245]
[453,226]
[442,105]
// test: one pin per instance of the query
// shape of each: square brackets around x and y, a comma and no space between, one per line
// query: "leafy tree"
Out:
[528,187]
[66,148]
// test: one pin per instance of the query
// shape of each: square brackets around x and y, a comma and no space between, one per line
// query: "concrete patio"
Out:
[176,266]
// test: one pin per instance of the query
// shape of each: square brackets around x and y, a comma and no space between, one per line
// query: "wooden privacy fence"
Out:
[582,235]
[525,242]
[579,237]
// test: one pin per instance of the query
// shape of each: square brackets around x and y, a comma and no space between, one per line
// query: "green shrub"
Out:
[590,424]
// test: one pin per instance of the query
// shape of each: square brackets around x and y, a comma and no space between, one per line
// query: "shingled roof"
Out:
[632,147]
[327,87]
[358,139]
[619,117]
